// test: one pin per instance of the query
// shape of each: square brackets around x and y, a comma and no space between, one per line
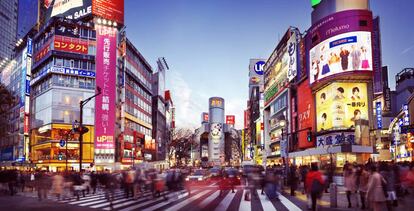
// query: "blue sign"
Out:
[7,154]
[406,118]
[63,70]
[62,143]
[258,67]
[29,47]
[378,108]
[345,40]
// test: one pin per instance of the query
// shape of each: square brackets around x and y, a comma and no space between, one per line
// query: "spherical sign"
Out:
[62,143]
[258,67]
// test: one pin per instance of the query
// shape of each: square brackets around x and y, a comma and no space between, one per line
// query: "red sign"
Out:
[246,119]
[205,117]
[68,44]
[109,9]
[26,124]
[306,114]
[40,54]
[230,119]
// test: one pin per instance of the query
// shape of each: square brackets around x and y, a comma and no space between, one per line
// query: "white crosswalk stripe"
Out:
[266,203]
[201,198]
[187,201]
[225,203]
[245,205]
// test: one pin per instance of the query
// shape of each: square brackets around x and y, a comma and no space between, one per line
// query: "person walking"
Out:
[349,183]
[94,181]
[314,184]
[58,183]
[389,177]
[42,184]
[376,194]
[362,177]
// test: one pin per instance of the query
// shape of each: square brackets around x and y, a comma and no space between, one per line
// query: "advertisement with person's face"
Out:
[342,53]
[340,105]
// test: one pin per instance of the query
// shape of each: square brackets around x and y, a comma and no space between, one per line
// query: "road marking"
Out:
[187,201]
[101,201]
[225,203]
[108,203]
[212,185]
[288,204]
[245,205]
[143,198]
[209,199]
[136,207]
[159,205]
[266,203]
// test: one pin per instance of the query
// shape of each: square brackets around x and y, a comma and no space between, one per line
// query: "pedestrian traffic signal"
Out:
[309,136]
[60,157]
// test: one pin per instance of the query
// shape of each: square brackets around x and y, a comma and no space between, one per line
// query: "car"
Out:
[215,172]
[233,175]
[199,175]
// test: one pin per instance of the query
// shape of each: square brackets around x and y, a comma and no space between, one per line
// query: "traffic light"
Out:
[309,136]
[60,157]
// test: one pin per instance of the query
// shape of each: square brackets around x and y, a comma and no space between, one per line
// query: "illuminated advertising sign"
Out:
[23,78]
[109,9]
[256,72]
[70,9]
[314,3]
[204,117]
[335,139]
[292,51]
[26,124]
[69,44]
[378,108]
[306,114]
[63,70]
[406,118]
[341,105]
[342,53]
[216,102]
[106,80]
[41,53]
[230,119]
[376,56]
[258,67]
[276,78]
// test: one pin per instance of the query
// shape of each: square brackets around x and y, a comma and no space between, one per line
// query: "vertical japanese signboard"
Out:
[378,108]
[106,80]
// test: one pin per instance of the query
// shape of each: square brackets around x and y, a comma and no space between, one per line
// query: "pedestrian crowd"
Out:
[135,182]
[374,185]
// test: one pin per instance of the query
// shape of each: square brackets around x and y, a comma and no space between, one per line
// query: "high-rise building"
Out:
[8,27]
[28,16]
[160,132]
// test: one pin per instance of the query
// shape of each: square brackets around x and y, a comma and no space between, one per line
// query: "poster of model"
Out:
[346,52]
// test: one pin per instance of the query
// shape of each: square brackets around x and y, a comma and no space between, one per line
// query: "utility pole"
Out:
[82,103]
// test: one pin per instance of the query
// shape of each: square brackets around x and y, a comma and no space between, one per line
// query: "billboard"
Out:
[376,59]
[204,117]
[342,53]
[106,80]
[73,45]
[276,77]
[292,51]
[256,72]
[306,114]
[70,9]
[109,9]
[230,119]
[341,105]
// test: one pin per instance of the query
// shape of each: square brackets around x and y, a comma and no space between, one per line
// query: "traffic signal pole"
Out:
[81,104]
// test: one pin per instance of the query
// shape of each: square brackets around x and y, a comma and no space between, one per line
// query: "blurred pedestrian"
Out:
[389,177]
[376,193]
[293,179]
[58,183]
[94,181]
[314,184]
[42,184]
[349,183]
[362,177]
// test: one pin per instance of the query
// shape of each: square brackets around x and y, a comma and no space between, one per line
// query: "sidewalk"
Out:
[405,203]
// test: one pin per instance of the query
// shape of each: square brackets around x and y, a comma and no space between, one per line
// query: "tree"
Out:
[180,146]
[7,100]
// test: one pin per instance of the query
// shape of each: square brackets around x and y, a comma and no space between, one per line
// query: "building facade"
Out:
[8,23]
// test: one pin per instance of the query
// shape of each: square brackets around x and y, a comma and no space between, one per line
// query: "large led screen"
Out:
[340,105]
[339,54]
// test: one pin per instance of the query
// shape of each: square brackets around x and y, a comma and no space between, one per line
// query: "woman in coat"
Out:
[375,192]
[58,183]
[313,180]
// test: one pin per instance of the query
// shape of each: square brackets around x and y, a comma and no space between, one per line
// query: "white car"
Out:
[199,175]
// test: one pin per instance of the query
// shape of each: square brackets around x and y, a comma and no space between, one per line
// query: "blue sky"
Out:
[208,44]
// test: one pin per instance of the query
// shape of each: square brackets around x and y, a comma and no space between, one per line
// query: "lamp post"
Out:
[82,103]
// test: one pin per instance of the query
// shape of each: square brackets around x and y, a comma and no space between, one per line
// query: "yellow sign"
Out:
[339,105]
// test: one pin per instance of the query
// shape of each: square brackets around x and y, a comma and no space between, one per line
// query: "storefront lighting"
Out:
[104,22]
[114,24]
[99,21]
[109,23]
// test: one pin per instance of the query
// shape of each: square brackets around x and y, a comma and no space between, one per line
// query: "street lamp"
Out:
[81,104]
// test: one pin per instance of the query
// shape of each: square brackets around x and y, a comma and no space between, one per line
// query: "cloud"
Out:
[407,50]
[187,103]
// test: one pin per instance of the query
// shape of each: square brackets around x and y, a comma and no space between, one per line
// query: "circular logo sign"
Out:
[62,143]
[258,67]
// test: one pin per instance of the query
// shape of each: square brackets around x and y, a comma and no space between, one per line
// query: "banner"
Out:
[376,53]
[73,45]
[105,108]
[109,9]
[306,115]
[339,54]
[340,105]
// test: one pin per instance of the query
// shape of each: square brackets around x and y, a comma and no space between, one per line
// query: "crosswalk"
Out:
[199,199]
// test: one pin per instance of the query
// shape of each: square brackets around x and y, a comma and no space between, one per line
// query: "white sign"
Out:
[292,48]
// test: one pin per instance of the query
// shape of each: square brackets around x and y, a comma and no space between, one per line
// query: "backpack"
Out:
[316,187]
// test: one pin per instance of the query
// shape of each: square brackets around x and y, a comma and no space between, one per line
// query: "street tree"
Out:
[179,149]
